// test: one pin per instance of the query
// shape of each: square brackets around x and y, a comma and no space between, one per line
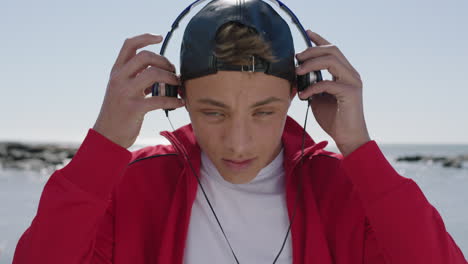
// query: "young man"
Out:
[110,205]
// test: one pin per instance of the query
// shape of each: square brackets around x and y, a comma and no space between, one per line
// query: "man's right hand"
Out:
[132,76]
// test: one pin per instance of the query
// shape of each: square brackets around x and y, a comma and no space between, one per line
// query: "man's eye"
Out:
[263,113]
[212,113]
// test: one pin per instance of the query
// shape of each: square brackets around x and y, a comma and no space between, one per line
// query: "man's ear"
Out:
[293,91]
[181,92]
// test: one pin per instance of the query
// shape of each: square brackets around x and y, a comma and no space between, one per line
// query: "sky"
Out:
[56,56]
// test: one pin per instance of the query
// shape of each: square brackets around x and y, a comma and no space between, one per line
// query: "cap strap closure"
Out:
[257,65]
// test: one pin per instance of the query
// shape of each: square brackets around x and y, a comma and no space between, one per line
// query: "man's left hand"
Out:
[340,110]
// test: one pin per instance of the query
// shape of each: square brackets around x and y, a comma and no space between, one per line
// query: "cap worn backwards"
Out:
[197,58]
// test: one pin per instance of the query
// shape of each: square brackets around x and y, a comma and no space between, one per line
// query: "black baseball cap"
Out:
[198,44]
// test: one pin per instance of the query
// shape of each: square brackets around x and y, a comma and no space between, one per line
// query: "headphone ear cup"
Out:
[169,90]
[303,81]
[155,89]
[172,90]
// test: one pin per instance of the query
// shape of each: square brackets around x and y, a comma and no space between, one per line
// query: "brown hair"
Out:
[236,43]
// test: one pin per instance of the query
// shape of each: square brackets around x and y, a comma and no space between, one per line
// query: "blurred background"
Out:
[56,56]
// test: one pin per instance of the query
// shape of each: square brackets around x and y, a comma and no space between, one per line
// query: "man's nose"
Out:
[238,137]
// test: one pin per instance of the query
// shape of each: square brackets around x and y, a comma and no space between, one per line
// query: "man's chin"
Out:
[239,177]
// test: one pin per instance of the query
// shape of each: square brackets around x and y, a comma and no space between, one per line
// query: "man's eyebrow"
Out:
[223,105]
[267,101]
[212,102]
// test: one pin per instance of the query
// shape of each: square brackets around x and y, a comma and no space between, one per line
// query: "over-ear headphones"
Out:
[303,81]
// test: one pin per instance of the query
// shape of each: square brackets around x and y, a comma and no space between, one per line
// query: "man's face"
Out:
[238,116]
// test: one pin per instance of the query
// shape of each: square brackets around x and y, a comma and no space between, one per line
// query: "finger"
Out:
[314,52]
[316,38]
[162,102]
[131,45]
[339,71]
[152,75]
[144,59]
[333,88]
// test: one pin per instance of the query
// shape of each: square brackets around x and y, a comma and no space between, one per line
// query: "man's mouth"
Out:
[238,164]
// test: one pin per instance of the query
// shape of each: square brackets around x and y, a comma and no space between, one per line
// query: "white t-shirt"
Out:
[253,215]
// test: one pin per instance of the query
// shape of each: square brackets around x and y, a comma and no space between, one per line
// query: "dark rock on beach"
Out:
[449,162]
[37,157]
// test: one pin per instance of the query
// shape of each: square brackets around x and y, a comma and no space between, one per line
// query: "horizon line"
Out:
[160,139]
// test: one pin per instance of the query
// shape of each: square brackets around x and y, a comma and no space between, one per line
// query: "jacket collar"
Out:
[184,141]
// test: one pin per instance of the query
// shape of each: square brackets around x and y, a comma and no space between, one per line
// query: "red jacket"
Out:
[110,205]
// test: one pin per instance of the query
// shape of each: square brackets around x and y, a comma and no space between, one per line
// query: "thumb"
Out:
[162,102]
